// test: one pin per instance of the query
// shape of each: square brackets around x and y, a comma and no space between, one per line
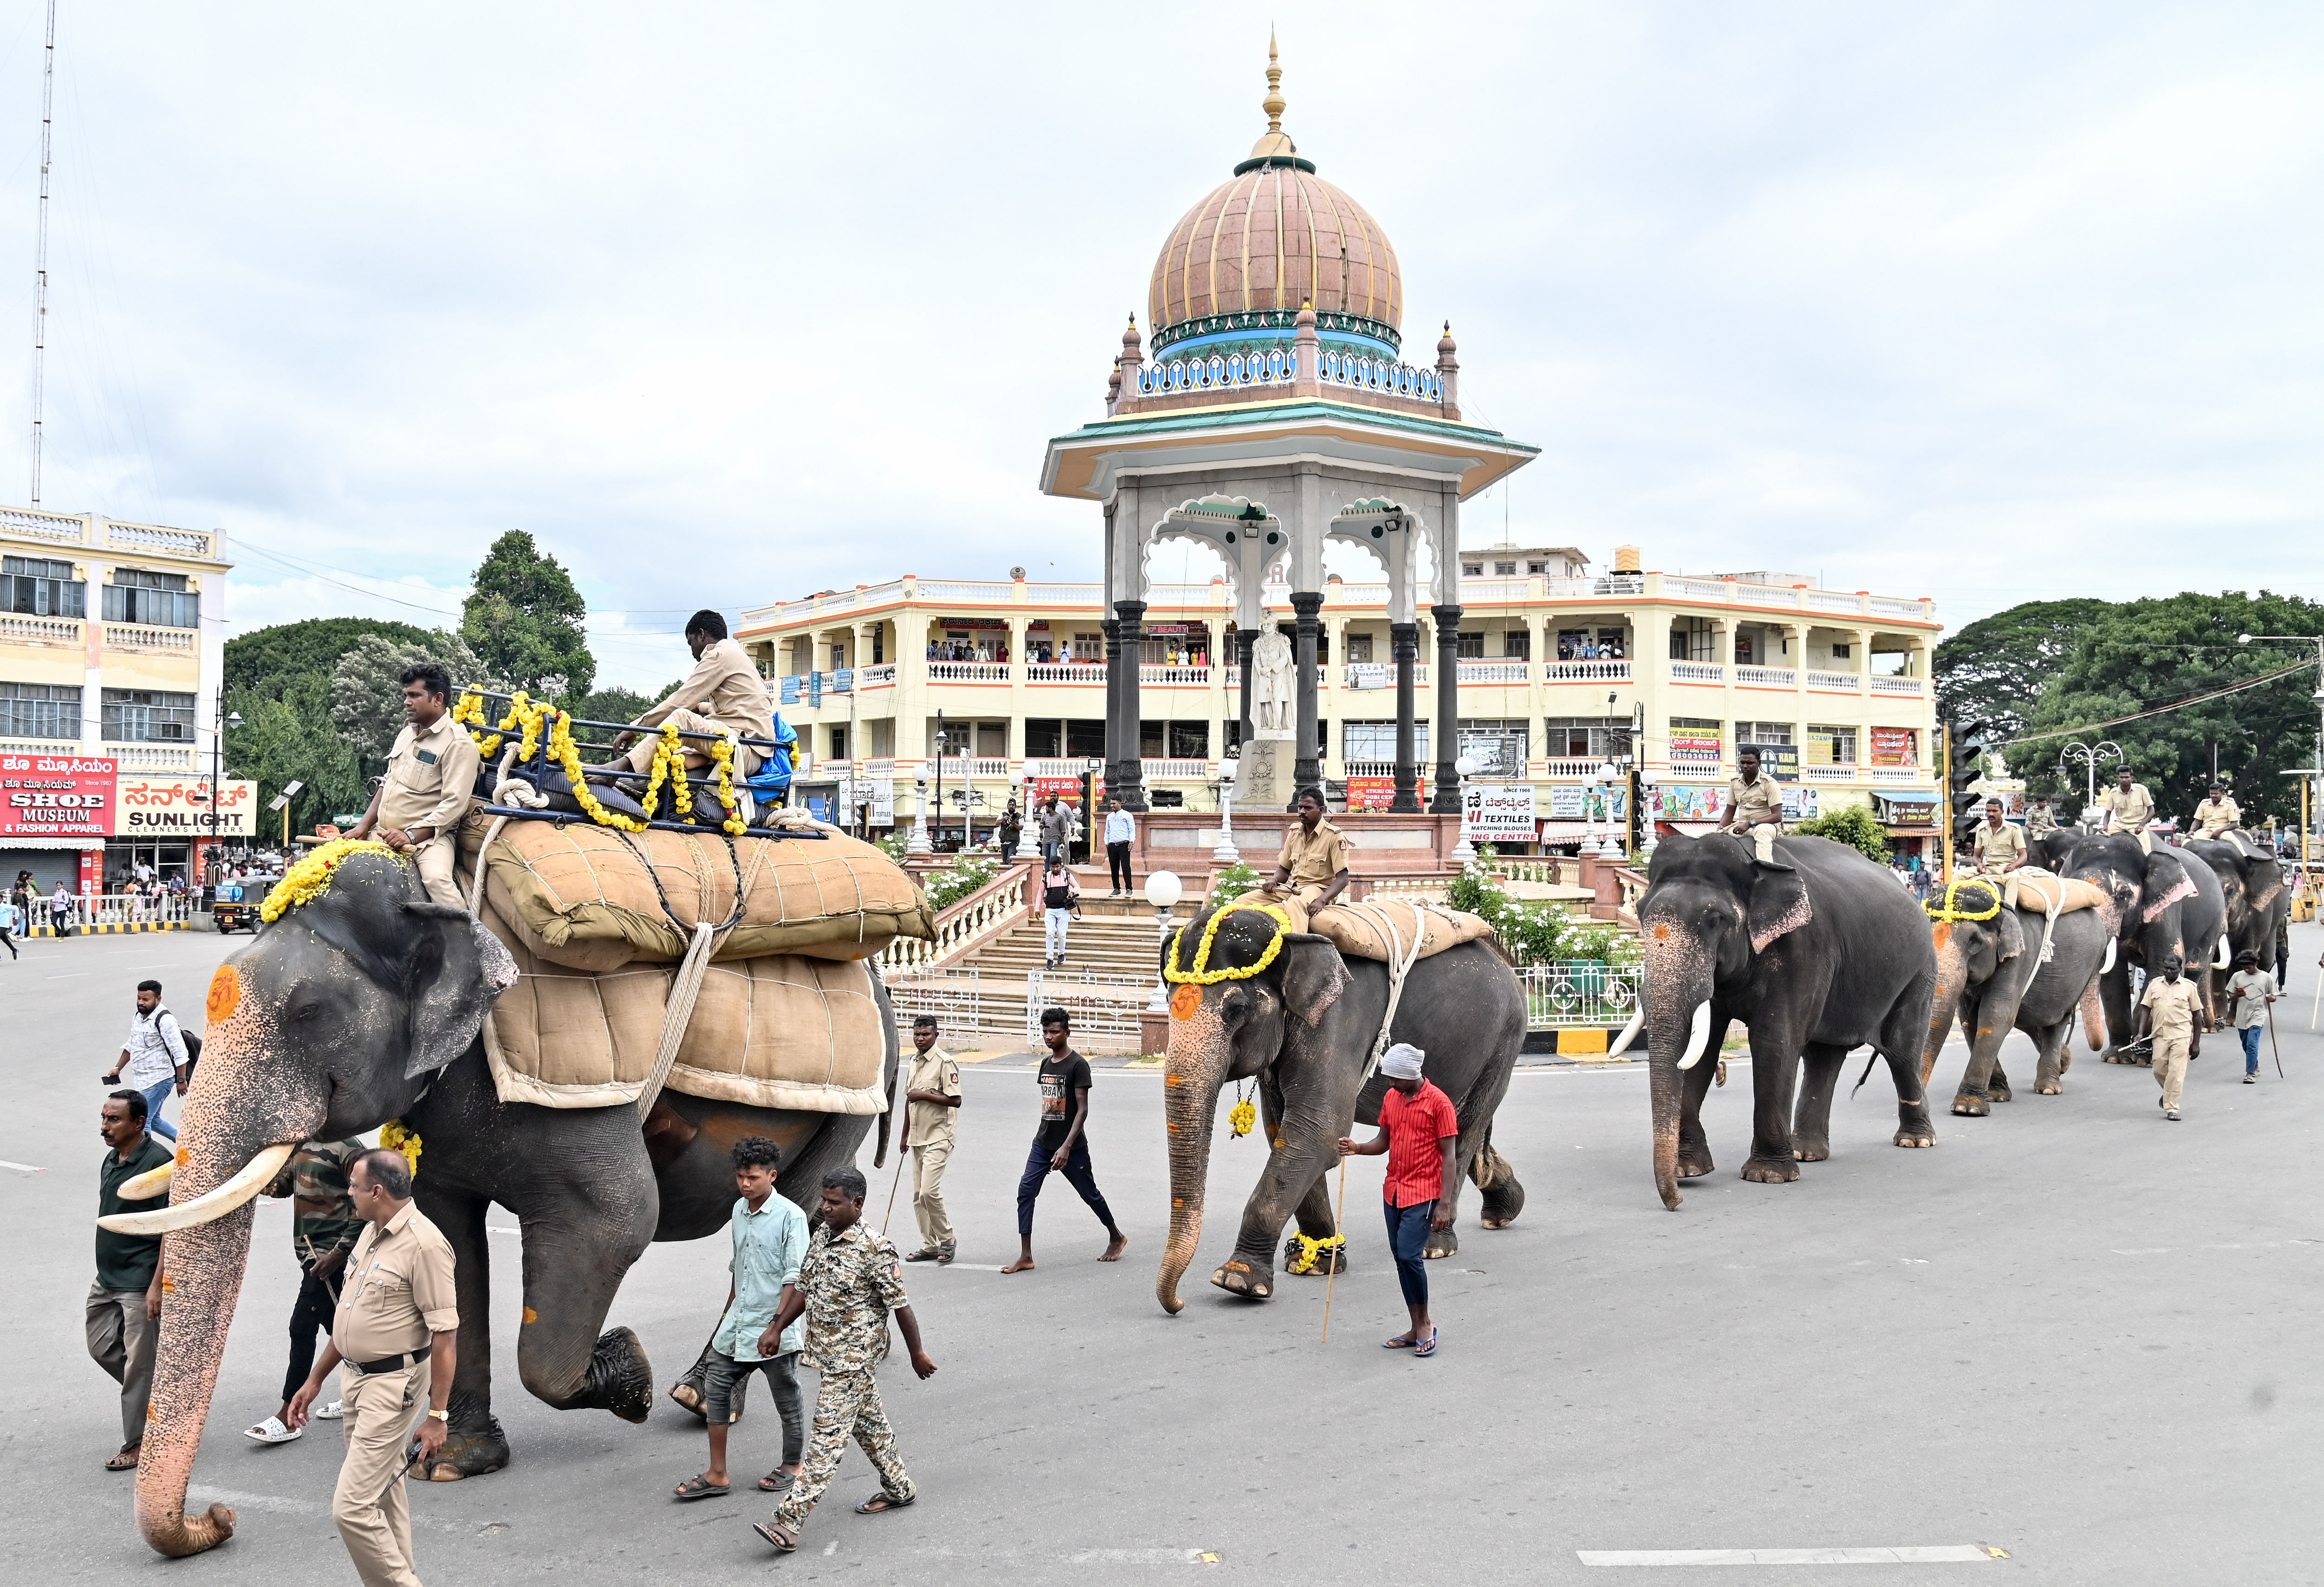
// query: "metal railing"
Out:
[115,910]
[1104,1007]
[1577,992]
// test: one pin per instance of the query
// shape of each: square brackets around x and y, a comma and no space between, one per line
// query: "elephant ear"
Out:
[456,972]
[2013,936]
[1314,976]
[1779,903]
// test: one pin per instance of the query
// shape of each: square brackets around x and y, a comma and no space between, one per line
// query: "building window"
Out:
[1376,741]
[158,600]
[1537,567]
[1692,638]
[1505,569]
[1089,647]
[1471,647]
[1574,737]
[1516,644]
[1697,738]
[1763,732]
[40,710]
[1831,746]
[1359,648]
[40,587]
[839,741]
[147,716]
[1840,649]
[1472,569]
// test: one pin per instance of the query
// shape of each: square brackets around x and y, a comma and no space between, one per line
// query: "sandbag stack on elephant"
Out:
[363,1004]
[1816,959]
[2001,968]
[1290,1012]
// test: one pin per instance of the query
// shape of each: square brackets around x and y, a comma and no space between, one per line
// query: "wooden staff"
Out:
[902,1151]
[2271,1039]
[1339,1244]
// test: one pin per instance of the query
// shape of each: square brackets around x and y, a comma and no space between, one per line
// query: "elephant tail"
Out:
[1488,1165]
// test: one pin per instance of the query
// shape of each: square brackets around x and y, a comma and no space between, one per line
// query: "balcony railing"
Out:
[1503,672]
[137,636]
[1768,677]
[1895,686]
[1058,765]
[150,757]
[1175,771]
[1845,682]
[1064,672]
[955,767]
[1894,774]
[1585,768]
[1831,773]
[1697,672]
[40,631]
[877,676]
[1586,671]
[1182,676]
[968,671]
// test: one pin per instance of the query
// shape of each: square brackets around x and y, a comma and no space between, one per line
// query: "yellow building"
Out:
[111,646]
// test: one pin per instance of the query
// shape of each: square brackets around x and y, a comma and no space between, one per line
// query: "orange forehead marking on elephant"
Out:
[1943,934]
[184,1157]
[225,994]
[1185,1001]
[1174,1080]
[1174,1130]
[531,1316]
[1177,1201]
[1662,931]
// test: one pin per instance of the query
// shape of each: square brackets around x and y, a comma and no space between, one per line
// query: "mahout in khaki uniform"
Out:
[432,780]
[2173,1009]
[1311,866]
[931,1116]
[2216,815]
[723,693]
[2128,808]
[1755,809]
[1996,846]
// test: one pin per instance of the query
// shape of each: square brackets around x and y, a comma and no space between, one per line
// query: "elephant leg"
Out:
[1694,1145]
[475,1444]
[2050,1041]
[1500,1194]
[582,1233]
[1314,1214]
[1996,1084]
[1774,1070]
[1812,1123]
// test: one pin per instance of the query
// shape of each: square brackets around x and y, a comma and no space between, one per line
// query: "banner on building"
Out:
[55,795]
[1893,746]
[1697,745]
[1069,790]
[1370,675]
[1370,793]
[1780,762]
[1689,801]
[1803,804]
[1572,801]
[1497,812]
[179,807]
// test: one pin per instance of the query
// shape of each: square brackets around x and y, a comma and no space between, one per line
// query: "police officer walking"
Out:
[397,1329]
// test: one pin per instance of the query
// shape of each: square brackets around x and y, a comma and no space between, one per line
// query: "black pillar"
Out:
[1306,772]
[1112,751]
[1447,801]
[1403,641]
[1244,638]
[1130,785]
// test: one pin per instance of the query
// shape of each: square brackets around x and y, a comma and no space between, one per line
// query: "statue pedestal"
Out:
[1263,781]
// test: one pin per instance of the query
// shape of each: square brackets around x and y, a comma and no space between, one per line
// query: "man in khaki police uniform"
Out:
[431,776]
[1755,807]
[724,692]
[1313,861]
[2041,820]
[397,1329]
[2217,816]
[1996,847]
[2129,808]
[931,1115]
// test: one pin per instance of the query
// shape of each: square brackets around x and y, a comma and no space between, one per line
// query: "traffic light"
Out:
[1964,764]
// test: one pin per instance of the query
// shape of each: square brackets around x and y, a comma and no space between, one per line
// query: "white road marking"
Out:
[830,1548]
[275,1504]
[1136,1557]
[1950,1554]
[22,1168]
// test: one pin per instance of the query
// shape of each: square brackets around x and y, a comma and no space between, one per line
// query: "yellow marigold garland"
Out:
[722,755]
[669,763]
[1951,910]
[1201,976]
[568,755]
[395,1135]
[311,878]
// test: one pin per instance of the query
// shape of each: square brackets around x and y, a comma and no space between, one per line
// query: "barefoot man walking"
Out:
[1061,1145]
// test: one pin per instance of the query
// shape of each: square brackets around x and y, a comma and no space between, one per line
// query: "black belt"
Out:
[394,1363]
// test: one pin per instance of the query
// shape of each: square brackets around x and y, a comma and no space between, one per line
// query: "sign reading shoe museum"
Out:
[55,795]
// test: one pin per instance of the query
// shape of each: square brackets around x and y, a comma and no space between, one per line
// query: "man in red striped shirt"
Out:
[1419,1133]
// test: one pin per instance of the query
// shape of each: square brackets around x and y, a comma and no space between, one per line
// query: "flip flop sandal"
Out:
[332,1412]
[273,1430]
[882,1502]
[1399,1343]
[694,1488]
[778,1480]
[783,1540]
[1429,1347]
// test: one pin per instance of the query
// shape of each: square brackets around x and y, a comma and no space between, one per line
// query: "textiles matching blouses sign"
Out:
[55,795]
[179,807]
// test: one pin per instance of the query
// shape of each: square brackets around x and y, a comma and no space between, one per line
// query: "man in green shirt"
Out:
[125,1301]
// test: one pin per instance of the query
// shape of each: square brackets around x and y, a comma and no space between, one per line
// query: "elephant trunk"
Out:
[1678,1021]
[1952,979]
[1191,1074]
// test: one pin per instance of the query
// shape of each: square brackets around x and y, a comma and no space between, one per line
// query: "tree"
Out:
[290,650]
[1989,674]
[612,704]
[2143,654]
[367,698]
[1855,826]
[523,619]
[283,739]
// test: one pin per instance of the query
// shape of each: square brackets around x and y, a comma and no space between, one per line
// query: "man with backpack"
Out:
[159,1056]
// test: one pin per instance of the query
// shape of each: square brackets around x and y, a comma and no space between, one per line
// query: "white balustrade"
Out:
[1835,601]
[1582,767]
[150,757]
[1895,686]
[1893,774]
[1700,589]
[878,766]
[1697,672]
[1767,594]
[1586,671]
[1847,682]
[1175,771]
[1503,672]
[1768,677]
[136,636]
[1058,765]
[1362,594]
[1834,773]
[40,631]
[876,677]
[1479,591]
[45,526]
[968,671]
[967,589]
[1194,677]
[1064,672]
[1887,607]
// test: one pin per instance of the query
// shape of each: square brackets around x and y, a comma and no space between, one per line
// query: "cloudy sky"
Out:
[1987,302]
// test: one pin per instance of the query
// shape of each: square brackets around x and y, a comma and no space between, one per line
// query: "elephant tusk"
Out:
[2224,960]
[2109,958]
[1629,1033]
[255,1175]
[151,1183]
[1698,1037]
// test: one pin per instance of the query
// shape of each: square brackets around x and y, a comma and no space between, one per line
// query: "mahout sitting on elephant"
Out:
[1816,959]
[361,1005]
[2001,969]
[1288,1011]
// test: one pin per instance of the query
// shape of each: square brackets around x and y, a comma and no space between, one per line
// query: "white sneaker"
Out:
[331,1412]
[272,1430]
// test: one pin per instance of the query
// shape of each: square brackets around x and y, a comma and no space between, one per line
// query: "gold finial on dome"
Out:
[1274,141]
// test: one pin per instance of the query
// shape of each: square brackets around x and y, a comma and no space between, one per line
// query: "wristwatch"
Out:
[444,1417]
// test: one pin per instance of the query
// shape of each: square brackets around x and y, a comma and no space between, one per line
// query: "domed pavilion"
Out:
[1273,411]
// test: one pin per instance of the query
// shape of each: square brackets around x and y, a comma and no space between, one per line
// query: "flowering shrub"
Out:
[1233,882]
[1539,933]
[968,873]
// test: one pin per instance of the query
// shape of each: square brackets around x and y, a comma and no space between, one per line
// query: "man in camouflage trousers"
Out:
[323,1230]
[850,1282]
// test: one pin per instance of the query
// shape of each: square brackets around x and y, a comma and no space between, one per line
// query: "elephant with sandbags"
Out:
[1817,956]
[2159,904]
[360,1003]
[2016,952]
[1253,999]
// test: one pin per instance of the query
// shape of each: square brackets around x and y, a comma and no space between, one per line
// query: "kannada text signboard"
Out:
[1370,793]
[1497,812]
[55,795]
[175,807]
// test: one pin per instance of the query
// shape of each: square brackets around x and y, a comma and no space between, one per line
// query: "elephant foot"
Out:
[1251,1280]
[620,1379]
[1316,1257]
[1770,1171]
[475,1444]
[1922,1134]
[1999,1091]
[1441,1245]
[1969,1105]
[2048,1088]
[1500,1197]
[1810,1152]
[1694,1162]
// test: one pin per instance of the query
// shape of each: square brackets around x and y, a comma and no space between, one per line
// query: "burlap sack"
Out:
[579,895]
[779,1031]
[1360,931]
[2044,892]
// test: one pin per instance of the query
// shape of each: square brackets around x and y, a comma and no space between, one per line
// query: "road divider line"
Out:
[22,1168]
[1943,1555]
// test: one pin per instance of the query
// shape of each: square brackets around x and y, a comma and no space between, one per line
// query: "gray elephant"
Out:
[2257,896]
[2165,902]
[1819,956]
[364,1006]
[1994,972]
[1293,1015]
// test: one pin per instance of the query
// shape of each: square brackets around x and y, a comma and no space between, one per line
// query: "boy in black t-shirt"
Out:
[1060,1146]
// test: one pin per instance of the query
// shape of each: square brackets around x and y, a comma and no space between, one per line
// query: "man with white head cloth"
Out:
[1420,1134]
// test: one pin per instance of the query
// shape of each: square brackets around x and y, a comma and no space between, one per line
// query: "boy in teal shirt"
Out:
[770,1239]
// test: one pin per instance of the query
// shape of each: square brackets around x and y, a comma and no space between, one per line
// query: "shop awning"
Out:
[1905,796]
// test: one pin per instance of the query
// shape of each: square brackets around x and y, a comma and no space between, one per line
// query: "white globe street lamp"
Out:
[1226,854]
[1163,891]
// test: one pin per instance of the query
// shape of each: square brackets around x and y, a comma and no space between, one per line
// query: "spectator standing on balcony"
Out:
[1121,831]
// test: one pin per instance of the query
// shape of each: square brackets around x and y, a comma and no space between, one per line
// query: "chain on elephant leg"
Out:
[475,1444]
[1314,1249]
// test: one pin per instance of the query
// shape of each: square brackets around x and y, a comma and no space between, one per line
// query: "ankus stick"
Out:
[889,1216]
[1339,1250]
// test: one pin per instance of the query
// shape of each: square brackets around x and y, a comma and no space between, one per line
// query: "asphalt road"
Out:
[2075,1332]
